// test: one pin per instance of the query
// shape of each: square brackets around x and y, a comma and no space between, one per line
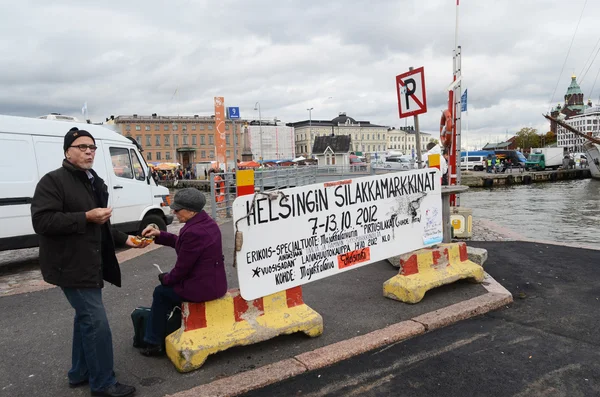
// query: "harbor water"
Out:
[565,211]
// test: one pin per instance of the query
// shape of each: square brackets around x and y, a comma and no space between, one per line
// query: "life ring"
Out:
[219,189]
[446,128]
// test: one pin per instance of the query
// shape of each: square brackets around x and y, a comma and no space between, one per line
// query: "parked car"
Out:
[357,163]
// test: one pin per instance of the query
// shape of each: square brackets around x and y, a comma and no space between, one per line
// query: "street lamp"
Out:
[257,107]
[310,135]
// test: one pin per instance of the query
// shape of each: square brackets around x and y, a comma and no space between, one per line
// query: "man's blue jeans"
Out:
[92,356]
[164,300]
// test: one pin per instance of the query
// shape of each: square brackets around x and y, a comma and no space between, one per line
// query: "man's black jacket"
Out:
[74,253]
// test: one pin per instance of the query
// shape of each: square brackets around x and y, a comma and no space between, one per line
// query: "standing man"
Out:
[77,252]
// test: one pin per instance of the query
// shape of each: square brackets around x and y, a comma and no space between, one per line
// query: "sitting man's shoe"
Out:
[153,351]
[73,385]
[116,390]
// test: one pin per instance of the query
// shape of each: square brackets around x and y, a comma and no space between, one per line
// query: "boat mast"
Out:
[454,105]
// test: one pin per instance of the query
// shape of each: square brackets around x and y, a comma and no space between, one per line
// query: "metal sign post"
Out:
[233,113]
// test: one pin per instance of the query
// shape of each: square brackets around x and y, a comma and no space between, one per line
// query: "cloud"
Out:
[125,57]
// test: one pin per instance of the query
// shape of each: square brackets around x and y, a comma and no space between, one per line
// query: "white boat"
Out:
[592,152]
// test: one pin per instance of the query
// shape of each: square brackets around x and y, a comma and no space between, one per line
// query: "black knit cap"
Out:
[73,134]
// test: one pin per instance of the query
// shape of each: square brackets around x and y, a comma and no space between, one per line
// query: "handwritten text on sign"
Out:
[307,233]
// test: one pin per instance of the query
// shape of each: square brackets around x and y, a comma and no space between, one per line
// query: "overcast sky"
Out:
[130,56]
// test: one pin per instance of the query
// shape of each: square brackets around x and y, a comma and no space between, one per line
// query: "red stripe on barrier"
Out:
[436,256]
[447,255]
[240,306]
[294,296]
[245,190]
[464,255]
[259,304]
[195,317]
[409,266]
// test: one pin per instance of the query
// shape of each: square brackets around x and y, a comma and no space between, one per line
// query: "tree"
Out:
[434,141]
[527,138]
[549,137]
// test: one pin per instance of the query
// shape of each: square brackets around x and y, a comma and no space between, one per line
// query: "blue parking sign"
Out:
[233,113]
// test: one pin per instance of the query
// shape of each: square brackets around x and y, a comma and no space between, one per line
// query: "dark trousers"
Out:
[164,300]
[92,355]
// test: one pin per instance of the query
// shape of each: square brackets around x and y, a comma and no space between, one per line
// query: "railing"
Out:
[223,191]
[281,178]
[342,171]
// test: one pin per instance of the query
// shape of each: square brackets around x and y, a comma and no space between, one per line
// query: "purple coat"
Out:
[199,273]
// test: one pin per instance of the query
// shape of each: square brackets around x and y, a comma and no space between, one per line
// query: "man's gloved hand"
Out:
[160,278]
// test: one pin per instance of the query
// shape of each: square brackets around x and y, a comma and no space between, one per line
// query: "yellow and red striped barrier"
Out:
[429,268]
[217,325]
[244,180]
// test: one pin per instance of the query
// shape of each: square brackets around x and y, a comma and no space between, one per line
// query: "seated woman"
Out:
[199,273]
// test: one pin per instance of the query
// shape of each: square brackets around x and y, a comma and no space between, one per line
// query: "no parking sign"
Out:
[412,99]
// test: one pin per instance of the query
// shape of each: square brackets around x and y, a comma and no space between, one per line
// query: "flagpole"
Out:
[456,31]
[466,134]
[84,111]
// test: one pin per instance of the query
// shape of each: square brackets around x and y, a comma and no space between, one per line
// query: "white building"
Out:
[404,139]
[277,141]
[366,137]
[588,123]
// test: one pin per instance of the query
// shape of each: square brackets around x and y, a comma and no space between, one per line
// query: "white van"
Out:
[30,148]
[402,163]
[470,162]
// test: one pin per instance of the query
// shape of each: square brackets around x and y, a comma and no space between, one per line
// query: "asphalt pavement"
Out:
[35,341]
[545,344]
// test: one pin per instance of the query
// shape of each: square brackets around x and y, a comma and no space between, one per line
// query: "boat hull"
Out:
[592,151]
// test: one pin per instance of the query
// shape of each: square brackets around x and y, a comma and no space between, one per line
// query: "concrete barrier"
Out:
[210,327]
[429,268]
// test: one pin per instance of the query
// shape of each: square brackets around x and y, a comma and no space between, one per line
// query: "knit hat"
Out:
[73,134]
[189,199]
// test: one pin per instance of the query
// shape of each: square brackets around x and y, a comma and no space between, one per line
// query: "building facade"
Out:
[404,139]
[269,140]
[366,137]
[587,122]
[181,139]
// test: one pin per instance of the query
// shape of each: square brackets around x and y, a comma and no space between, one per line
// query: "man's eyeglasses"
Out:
[83,148]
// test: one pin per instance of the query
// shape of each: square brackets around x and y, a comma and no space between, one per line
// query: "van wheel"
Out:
[153,218]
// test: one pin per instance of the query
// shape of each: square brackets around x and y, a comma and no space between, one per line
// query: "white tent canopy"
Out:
[301,158]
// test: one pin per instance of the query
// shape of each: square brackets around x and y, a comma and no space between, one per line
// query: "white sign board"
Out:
[412,98]
[298,235]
